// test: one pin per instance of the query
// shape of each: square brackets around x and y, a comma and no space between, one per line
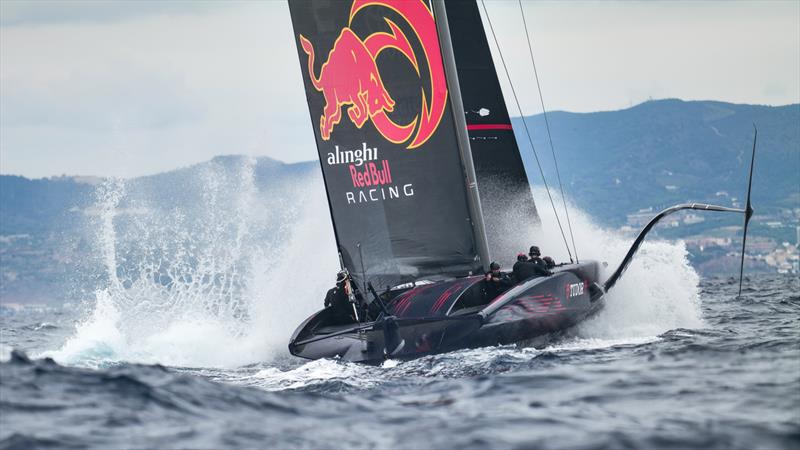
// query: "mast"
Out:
[473,196]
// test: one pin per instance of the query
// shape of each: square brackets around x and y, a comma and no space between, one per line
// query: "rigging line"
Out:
[547,126]
[525,125]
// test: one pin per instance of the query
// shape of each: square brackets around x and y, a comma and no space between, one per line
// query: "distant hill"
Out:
[612,163]
[43,205]
[664,152]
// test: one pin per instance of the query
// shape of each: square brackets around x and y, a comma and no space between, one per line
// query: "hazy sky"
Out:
[132,88]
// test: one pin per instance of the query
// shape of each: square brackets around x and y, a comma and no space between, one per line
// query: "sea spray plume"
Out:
[109,195]
[165,271]
[186,277]
[182,262]
[99,336]
[292,286]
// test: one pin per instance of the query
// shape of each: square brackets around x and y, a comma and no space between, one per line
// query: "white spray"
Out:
[224,283]
[221,283]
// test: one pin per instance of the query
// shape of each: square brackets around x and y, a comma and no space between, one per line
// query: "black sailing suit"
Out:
[496,285]
[337,300]
[534,267]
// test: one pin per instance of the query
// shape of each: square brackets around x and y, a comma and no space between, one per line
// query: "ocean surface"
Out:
[178,339]
[731,380]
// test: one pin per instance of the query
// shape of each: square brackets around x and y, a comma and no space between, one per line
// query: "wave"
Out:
[329,375]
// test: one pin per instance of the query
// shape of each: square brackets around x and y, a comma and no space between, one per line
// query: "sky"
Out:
[126,88]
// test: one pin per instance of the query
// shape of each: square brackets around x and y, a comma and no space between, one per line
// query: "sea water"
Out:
[183,345]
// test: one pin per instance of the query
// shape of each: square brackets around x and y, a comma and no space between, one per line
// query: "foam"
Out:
[5,352]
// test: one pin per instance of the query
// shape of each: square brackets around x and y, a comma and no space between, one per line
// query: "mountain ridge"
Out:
[613,164]
[698,147]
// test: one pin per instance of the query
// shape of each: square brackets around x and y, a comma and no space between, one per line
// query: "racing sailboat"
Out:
[425,183]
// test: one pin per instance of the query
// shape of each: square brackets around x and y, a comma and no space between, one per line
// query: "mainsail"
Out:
[380,107]
[397,164]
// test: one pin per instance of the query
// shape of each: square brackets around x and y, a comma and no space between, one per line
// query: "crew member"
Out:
[533,267]
[338,301]
[496,282]
[549,262]
[536,256]
[518,269]
[537,261]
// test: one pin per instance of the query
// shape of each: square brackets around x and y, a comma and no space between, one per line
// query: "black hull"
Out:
[446,316]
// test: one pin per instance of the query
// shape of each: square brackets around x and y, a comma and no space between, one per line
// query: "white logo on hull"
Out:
[575,289]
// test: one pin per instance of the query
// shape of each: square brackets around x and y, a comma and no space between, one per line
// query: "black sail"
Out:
[383,121]
[508,206]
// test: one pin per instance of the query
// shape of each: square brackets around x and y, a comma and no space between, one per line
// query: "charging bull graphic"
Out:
[350,77]
[359,85]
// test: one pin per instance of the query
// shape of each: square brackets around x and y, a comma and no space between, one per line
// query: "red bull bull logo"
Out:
[351,80]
